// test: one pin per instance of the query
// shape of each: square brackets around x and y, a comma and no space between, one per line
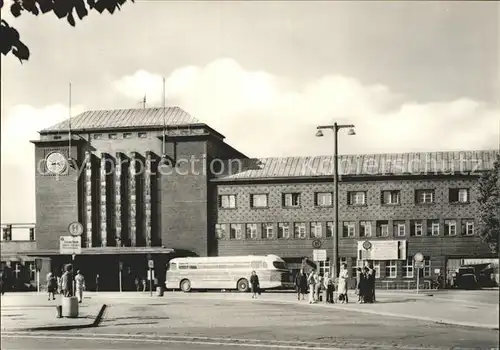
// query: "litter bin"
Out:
[159,291]
[69,307]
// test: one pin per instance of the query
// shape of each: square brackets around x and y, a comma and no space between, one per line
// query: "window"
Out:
[408,268]
[459,195]
[316,230]
[424,196]
[258,201]
[391,197]
[235,231]
[283,230]
[349,229]
[416,228]
[32,270]
[342,260]
[391,268]
[382,228]
[376,267]
[32,233]
[142,135]
[329,229]
[251,231]
[220,231]
[433,227]
[324,267]
[356,198]
[399,228]
[450,227]
[127,135]
[468,227]
[97,136]
[112,136]
[427,266]
[268,231]
[227,201]
[291,200]
[299,230]
[7,233]
[355,264]
[324,199]
[365,229]
[57,137]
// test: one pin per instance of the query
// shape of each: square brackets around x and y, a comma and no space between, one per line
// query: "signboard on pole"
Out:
[70,245]
[75,229]
[38,264]
[319,254]
[151,264]
[382,250]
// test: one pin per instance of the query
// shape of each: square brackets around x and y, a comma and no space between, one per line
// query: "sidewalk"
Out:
[28,310]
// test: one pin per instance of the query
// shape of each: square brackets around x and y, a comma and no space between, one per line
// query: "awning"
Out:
[16,258]
[105,251]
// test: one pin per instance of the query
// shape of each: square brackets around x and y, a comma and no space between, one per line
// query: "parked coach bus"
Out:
[228,272]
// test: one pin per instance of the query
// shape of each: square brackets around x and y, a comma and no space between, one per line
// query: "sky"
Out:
[411,76]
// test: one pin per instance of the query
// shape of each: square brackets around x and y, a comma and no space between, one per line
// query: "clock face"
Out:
[56,162]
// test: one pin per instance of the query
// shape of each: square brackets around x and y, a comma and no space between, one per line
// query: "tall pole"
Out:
[69,124]
[164,122]
[335,233]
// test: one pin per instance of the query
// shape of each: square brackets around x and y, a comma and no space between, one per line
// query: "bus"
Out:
[228,272]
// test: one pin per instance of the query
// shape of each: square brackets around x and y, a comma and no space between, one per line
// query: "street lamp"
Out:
[319,133]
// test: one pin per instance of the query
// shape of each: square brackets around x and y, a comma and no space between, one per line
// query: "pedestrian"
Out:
[80,285]
[328,286]
[318,286]
[59,285]
[143,284]
[359,282]
[137,282]
[254,284]
[342,288]
[301,284]
[67,281]
[97,282]
[311,280]
[2,282]
[51,285]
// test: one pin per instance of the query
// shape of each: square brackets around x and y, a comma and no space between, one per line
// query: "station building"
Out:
[156,183]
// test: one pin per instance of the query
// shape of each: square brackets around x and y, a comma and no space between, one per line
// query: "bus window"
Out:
[256,264]
[171,266]
[279,265]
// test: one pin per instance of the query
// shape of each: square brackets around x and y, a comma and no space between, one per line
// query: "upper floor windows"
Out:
[424,196]
[399,228]
[459,195]
[112,136]
[227,201]
[127,135]
[323,199]
[259,200]
[349,229]
[316,230]
[416,228]
[391,197]
[142,135]
[299,230]
[450,227]
[290,200]
[468,227]
[365,229]
[283,230]
[383,228]
[356,198]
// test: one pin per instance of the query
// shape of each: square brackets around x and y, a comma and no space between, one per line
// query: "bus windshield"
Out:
[279,265]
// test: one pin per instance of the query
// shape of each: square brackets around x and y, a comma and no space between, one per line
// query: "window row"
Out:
[325,199]
[390,269]
[318,229]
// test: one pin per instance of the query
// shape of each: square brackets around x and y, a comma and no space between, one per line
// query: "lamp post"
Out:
[335,232]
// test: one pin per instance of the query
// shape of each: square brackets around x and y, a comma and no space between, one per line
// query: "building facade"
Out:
[151,184]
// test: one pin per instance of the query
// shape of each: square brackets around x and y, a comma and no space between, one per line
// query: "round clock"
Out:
[56,162]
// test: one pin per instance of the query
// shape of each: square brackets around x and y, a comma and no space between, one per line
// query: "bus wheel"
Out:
[185,285]
[243,285]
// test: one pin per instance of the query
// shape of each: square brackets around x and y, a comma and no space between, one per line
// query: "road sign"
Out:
[75,229]
[418,257]
[316,244]
[419,264]
[319,254]
[70,245]
[38,264]
[151,264]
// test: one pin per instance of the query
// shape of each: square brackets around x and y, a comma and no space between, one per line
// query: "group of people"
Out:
[64,285]
[315,284]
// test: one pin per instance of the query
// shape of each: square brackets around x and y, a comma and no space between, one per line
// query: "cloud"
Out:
[265,115]
[21,124]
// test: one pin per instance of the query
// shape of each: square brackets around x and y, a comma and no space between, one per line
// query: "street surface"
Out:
[236,321]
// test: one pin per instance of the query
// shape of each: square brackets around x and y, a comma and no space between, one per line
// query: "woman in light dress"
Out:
[342,288]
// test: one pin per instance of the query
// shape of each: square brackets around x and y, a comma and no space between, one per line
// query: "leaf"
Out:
[45,5]
[71,19]
[81,10]
[21,51]
[16,9]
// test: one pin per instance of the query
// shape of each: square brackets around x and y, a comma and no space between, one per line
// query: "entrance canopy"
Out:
[106,251]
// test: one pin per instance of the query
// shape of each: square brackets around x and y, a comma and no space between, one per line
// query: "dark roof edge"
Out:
[158,127]
[344,178]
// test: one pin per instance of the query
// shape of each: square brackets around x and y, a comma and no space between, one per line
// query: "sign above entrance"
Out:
[319,254]
[75,229]
[69,245]
[382,250]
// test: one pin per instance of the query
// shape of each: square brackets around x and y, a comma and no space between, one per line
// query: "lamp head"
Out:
[319,133]
[351,132]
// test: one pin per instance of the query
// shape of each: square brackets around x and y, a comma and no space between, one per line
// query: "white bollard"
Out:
[69,307]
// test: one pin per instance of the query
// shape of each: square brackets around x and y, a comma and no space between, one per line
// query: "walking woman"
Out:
[342,288]
[254,284]
[301,284]
[51,285]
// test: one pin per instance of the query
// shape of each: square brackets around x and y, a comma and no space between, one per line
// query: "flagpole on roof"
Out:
[69,124]
[164,122]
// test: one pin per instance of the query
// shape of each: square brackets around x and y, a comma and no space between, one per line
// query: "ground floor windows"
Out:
[426,271]
[408,268]
[324,267]
[391,268]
